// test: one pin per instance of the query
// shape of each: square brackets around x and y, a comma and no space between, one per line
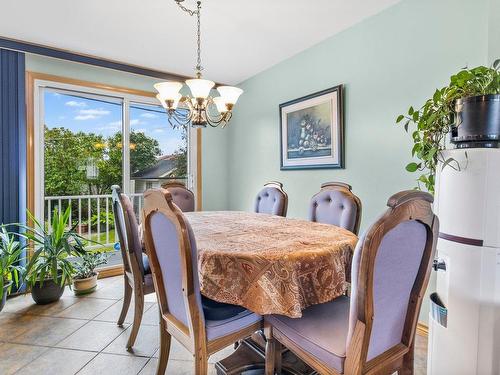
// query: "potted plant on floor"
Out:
[85,278]
[11,251]
[468,109]
[50,268]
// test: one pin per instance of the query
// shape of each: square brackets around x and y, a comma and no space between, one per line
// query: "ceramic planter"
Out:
[4,295]
[478,119]
[47,293]
[85,286]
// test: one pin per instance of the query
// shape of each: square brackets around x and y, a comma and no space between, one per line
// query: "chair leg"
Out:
[138,310]
[201,362]
[165,340]
[408,361]
[126,302]
[273,353]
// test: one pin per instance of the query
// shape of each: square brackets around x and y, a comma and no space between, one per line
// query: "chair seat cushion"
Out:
[322,331]
[214,310]
[220,328]
[145,264]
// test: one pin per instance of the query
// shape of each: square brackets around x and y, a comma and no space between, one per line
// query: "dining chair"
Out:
[201,325]
[373,330]
[181,195]
[272,199]
[136,271]
[336,204]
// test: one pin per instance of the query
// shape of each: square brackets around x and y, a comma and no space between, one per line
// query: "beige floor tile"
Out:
[58,361]
[86,308]
[46,331]
[152,316]
[94,336]
[146,344]
[174,367]
[177,352]
[25,305]
[151,297]
[221,354]
[110,291]
[107,364]
[113,313]
[13,325]
[15,356]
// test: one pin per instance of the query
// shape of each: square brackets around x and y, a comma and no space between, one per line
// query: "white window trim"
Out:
[39,87]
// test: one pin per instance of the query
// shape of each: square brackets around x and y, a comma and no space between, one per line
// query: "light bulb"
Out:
[230,94]
[200,88]
[220,104]
[168,90]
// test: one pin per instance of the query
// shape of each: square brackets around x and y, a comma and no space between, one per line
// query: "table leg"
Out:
[249,359]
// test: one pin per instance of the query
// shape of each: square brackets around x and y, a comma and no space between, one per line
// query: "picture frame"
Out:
[312,131]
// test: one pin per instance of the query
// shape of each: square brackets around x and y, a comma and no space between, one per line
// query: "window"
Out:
[79,133]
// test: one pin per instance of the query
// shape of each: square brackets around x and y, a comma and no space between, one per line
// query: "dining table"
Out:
[270,265]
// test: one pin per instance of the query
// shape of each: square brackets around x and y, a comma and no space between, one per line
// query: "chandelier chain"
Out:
[196,12]
[199,68]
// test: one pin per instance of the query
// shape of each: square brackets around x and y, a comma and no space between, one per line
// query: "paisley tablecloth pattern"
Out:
[270,264]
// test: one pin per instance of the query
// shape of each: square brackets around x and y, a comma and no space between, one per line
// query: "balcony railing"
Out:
[92,216]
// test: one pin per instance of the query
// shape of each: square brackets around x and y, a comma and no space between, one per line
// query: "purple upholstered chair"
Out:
[272,199]
[372,331]
[202,325]
[136,271]
[181,195]
[336,204]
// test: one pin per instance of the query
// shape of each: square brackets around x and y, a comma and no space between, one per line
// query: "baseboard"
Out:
[422,330]
[111,271]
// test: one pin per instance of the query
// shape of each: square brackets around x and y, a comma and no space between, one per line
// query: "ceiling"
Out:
[240,38]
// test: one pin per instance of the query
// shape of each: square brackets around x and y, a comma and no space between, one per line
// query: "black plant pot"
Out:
[47,293]
[478,122]
[4,295]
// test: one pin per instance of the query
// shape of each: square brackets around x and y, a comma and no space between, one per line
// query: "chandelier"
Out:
[198,108]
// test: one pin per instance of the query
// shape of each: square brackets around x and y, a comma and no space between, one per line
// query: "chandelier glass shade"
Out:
[197,107]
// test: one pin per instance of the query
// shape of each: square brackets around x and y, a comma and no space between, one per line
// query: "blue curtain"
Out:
[12,137]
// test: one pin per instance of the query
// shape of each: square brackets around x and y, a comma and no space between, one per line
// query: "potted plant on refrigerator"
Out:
[11,251]
[468,108]
[85,278]
[50,268]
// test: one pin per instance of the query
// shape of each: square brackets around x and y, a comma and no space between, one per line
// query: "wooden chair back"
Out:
[409,212]
[132,265]
[169,239]
[181,195]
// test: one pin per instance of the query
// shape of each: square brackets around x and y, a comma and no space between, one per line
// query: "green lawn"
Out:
[102,239]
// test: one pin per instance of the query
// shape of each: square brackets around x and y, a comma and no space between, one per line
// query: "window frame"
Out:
[37,82]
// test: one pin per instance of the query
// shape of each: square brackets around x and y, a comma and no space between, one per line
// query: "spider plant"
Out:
[11,251]
[53,248]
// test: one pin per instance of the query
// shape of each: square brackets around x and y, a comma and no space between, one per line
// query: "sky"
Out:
[105,118]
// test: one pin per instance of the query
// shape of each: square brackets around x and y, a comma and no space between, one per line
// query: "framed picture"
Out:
[312,131]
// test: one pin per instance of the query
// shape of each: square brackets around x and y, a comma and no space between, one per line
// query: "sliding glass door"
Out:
[87,140]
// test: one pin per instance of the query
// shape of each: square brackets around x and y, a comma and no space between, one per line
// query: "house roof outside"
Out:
[164,168]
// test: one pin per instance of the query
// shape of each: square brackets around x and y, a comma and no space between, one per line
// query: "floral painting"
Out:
[312,131]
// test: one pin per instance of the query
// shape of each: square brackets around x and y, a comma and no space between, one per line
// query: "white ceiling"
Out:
[240,38]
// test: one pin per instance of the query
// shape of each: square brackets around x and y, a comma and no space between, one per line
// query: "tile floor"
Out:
[80,335]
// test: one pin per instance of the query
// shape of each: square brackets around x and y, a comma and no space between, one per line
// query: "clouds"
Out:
[74,103]
[136,121]
[149,115]
[91,114]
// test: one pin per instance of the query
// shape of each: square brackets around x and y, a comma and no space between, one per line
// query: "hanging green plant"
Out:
[430,125]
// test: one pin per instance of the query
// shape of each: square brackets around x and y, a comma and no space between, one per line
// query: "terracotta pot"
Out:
[4,295]
[85,286]
[47,293]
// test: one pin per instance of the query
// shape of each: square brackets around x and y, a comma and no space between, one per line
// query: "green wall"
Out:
[387,63]
[494,31]
[214,143]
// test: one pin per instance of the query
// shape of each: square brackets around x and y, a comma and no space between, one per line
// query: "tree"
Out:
[68,154]
[181,157]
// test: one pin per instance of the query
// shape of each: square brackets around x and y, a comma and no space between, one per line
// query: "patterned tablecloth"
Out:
[270,264]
